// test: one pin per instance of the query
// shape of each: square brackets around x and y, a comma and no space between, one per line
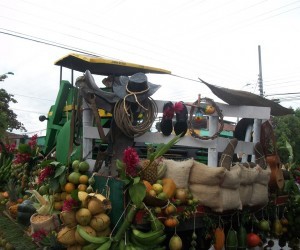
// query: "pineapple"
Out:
[13,191]
[149,172]
[150,165]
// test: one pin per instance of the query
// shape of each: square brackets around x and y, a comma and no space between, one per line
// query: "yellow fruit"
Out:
[83,179]
[158,188]
[69,187]
[82,187]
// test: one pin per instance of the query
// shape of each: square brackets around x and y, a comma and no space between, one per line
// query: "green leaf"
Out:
[55,163]
[136,180]
[59,171]
[45,163]
[62,180]
[54,184]
[74,194]
[137,193]
[296,172]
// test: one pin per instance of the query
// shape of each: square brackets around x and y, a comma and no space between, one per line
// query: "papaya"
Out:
[169,187]
[219,238]
[242,238]
[231,240]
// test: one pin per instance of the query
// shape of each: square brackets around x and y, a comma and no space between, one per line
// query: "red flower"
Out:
[39,235]
[131,160]
[45,173]
[69,205]
[33,141]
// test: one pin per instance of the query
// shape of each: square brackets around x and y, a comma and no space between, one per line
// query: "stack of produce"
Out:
[86,221]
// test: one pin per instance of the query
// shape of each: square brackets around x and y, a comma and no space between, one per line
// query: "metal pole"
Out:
[260,78]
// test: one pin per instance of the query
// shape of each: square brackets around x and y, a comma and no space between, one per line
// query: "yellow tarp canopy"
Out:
[106,67]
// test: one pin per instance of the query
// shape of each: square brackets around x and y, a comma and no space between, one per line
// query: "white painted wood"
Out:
[87,120]
[244,148]
[233,111]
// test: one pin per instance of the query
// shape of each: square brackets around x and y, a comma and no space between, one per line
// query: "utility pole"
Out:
[260,78]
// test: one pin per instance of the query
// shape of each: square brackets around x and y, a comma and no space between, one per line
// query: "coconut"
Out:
[82,196]
[83,216]
[89,230]
[104,233]
[100,222]
[74,247]
[68,218]
[66,236]
[95,206]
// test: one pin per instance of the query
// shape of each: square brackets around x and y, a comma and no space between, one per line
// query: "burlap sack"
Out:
[263,176]
[207,195]
[248,175]
[205,175]
[232,178]
[260,195]
[230,200]
[179,171]
[216,198]
[245,194]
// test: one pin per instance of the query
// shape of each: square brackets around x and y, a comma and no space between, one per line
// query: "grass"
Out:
[14,233]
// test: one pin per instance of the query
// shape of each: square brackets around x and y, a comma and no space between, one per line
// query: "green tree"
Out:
[8,119]
[287,129]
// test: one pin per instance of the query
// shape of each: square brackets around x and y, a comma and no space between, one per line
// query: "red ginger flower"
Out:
[39,235]
[69,205]
[131,160]
[45,173]
[33,141]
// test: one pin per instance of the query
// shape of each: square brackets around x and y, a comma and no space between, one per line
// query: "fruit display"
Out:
[85,222]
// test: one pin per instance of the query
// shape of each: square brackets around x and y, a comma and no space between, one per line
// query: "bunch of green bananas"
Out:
[95,242]
[150,240]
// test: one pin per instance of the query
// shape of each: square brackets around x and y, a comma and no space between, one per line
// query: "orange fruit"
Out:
[82,187]
[69,187]
[83,179]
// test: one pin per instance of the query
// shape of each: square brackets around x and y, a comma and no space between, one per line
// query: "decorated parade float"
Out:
[120,170]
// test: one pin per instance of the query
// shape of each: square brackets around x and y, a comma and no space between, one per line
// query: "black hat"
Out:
[134,88]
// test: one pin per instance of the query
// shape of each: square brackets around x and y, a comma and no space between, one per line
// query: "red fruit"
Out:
[253,240]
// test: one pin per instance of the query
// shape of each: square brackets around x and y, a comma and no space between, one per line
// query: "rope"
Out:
[135,97]
[127,121]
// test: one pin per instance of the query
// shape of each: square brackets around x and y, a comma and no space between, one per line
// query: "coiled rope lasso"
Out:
[134,124]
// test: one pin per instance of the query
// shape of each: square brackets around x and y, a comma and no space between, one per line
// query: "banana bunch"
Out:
[152,239]
[95,242]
